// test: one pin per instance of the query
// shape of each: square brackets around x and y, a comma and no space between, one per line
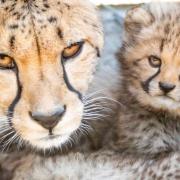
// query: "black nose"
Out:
[50,120]
[166,87]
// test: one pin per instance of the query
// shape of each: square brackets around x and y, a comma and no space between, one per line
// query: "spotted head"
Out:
[151,55]
[48,53]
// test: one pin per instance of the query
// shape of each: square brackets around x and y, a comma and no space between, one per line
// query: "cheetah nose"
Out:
[48,120]
[166,87]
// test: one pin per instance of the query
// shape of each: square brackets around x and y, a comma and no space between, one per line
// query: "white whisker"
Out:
[5,130]
[7,144]
[93,94]
[3,137]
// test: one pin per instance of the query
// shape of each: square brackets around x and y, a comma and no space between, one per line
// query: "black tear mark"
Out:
[17,98]
[68,84]
[145,84]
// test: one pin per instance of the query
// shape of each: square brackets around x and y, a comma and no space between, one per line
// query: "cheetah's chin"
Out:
[166,102]
[49,142]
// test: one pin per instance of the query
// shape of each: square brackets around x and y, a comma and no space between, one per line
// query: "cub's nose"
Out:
[166,87]
[48,120]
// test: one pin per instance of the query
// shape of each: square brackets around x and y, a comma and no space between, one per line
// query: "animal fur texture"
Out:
[49,52]
[50,18]
[147,133]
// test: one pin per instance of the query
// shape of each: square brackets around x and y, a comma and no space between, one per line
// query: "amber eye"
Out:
[6,62]
[73,50]
[154,61]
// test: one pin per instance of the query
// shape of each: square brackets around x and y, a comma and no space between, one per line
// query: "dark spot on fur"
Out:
[94,25]
[60,33]
[15,13]
[170,175]
[162,45]
[23,7]
[6,8]
[14,26]
[165,168]
[40,21]
[167,29]
[12,41]
[67,5]
[43,10]
[136,62]
[43,26]
[85,21]
[46,6]
[52,19]
[23,17]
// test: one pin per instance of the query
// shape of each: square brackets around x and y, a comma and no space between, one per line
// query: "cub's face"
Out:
[48,53]
[152,56]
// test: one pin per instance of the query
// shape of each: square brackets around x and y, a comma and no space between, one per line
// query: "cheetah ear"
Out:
[137,18]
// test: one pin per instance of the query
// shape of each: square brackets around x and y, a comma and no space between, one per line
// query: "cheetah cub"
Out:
[150,57]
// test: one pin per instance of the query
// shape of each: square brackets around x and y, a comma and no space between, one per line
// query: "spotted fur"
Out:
[97,166]
[146,145]
[34,34]
[149,123]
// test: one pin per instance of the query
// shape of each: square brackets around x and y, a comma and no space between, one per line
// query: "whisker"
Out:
[70,141]
[92,118]
[95,115]
[104,109]
[93,94]
[103,98]
[84,131]
[7,144]
[4,130]
[6,135]
[86,125]
[19,142]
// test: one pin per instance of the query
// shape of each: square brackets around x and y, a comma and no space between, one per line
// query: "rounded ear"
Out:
[137,18]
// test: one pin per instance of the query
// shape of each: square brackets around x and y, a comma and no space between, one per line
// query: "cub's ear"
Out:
[137,18]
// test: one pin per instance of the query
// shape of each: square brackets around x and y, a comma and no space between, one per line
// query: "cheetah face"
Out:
[152,56]
[48,53]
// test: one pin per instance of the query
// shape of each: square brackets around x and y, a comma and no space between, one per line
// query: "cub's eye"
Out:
[154,61]
[73,50]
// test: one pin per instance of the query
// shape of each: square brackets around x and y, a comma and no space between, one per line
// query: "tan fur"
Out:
[147,134]
[34,34]
[149,123]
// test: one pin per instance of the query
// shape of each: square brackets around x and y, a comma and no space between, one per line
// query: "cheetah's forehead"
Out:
[54,23]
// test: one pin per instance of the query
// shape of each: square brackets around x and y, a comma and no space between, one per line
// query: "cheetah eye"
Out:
[6,62]
[72,51]
[154,61]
